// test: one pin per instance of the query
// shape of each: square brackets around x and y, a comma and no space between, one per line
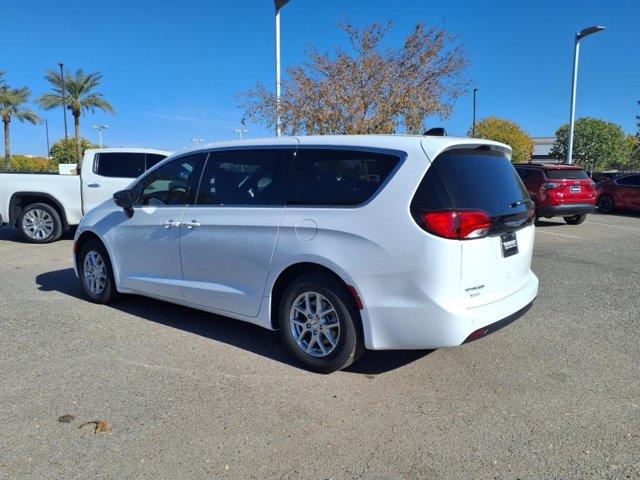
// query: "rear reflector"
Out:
[356,297]
[454,224]
[481,332]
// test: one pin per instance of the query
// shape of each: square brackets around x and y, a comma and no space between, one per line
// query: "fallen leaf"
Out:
[99,426]
[67,418]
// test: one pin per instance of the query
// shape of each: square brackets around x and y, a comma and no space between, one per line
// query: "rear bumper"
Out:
[566,210]
[427,325]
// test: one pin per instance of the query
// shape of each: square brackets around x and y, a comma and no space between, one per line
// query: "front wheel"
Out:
[40,223]
[96,274]
[575,219]
[319,323]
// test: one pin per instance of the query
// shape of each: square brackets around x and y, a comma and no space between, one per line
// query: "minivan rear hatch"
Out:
[476,198]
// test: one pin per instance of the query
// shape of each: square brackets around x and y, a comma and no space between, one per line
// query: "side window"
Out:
[152,159]
[523,172]
[244,177]
[171,184]
[338,177]
[120,164]
[629,181]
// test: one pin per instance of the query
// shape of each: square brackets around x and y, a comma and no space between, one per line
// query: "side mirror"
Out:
[124,199]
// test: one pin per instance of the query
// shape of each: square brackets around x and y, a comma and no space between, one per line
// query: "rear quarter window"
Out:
[338,177]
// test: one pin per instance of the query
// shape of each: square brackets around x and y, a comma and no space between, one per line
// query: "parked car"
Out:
[43,206]
[559,190]
[622,193]
[340,242]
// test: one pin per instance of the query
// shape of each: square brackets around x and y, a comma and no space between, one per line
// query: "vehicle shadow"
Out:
[10,234]
[239,334]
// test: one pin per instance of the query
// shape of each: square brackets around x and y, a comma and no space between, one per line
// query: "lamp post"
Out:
[574,84]
[473,125]
[64,101]
[46,130]
[241,132]
[100,128]
[279,4]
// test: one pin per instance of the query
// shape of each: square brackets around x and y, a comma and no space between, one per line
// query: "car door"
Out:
[628,190]
[229,235]
[110,172]
[147,245]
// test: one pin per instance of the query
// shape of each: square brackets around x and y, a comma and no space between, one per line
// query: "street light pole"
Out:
[574,85]
[279,4]
[100,128]
[473,126]
[64,101]
[241,132]
[46,129]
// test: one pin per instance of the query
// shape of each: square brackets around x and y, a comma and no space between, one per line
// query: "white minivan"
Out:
[340,242]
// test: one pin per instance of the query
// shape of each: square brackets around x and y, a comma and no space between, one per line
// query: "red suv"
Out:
[622,193]
[559,190]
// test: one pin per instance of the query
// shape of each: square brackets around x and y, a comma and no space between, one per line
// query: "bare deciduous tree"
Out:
[371,90]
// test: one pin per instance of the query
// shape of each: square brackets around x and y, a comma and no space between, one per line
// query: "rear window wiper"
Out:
[518,203]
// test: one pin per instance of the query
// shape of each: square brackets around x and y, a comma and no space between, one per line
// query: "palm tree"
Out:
[80,97]
[12,105]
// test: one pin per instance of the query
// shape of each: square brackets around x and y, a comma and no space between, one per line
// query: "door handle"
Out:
[93,185]
[191,225]
[170,224]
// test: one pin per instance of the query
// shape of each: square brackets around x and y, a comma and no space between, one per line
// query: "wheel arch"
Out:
[293,271]
[21,200]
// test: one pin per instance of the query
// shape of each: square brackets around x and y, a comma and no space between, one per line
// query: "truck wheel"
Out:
[40,223]
[96,274]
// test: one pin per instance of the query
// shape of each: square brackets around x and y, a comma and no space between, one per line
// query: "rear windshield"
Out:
[472,180]
[562,174]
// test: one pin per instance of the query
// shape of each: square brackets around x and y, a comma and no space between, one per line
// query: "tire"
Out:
[39,223]
[97,284]
[316,350]
[606,204]
[575,219]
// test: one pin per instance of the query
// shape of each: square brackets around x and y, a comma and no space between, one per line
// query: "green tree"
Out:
[23,163]
[64,150]
[597,144]
[13,103]
[80,97]
[506,131]
[369,89]
[633,152]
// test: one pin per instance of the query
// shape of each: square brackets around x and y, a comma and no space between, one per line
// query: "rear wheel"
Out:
[575,219]
[40,223]
[319,323]
[96,274]
[606,204]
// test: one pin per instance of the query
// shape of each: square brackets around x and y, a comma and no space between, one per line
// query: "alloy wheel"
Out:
[314,324]
[38,224]
[95,272]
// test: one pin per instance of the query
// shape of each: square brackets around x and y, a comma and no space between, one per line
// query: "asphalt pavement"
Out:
[186,394]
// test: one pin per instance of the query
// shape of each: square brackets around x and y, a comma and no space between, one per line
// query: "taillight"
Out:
[459,225]
[549,186]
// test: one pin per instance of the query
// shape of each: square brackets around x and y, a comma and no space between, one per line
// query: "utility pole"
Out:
[64,101]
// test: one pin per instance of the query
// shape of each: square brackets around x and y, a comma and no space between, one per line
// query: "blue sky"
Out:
[172,69]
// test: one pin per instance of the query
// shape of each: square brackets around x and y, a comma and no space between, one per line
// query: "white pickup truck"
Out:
[43,206]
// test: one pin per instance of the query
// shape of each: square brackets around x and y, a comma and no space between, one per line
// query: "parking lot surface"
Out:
[186,394]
